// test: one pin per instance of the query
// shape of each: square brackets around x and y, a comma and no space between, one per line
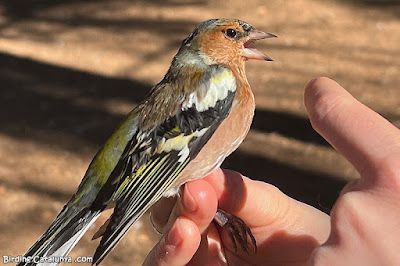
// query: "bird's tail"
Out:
[63,234]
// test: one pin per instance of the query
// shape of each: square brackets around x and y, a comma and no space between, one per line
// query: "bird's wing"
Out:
[154,159]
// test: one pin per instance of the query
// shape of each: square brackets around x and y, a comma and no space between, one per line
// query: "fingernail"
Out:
[174,235]
[310,82]
[188,201]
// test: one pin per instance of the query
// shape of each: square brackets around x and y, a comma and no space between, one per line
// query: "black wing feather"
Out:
[138,195]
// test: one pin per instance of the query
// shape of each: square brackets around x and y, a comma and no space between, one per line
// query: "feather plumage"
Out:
[196,116]
[169,148]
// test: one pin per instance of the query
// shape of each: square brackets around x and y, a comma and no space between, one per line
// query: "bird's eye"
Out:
[231,33]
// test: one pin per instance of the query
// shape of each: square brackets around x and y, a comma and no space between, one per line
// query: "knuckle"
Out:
[344,204]
[385,173]
[348,215]
[322,255]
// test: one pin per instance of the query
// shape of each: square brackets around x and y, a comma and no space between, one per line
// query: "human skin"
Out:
[363,227]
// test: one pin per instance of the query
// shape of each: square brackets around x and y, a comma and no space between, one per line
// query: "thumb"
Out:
[177,246]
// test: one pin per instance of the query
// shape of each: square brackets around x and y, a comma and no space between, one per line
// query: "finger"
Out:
[210,251]
[232,190]
[265,209]
[364,137]
[256,202]
[197,203]
[161,211]
[178,246]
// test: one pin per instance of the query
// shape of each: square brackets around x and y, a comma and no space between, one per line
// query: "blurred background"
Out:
[71,70]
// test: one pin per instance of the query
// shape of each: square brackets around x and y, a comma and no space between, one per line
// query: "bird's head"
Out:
[225,41]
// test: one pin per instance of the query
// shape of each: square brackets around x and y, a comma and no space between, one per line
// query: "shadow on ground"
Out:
[39,96]
[287,125]
[28,22]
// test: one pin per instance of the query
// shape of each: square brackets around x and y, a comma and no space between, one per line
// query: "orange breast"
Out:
[225,140]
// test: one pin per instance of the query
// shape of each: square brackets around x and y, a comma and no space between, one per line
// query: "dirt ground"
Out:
[70,70]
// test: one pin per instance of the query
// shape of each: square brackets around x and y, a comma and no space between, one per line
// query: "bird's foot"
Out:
[236,229]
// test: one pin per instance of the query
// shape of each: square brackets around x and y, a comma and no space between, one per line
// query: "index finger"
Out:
[256,202]
[365,138]
[268,211]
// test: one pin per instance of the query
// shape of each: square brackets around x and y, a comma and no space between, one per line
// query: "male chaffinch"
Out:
[195,117]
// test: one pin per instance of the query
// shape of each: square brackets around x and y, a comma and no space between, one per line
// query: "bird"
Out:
[195,117]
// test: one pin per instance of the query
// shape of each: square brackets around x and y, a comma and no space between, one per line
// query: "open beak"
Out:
[252,53]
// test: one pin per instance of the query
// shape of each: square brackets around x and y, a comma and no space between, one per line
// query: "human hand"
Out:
[286,230]
[366,218]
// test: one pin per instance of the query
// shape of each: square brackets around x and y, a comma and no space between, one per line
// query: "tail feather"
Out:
[63,234]
[111,238]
